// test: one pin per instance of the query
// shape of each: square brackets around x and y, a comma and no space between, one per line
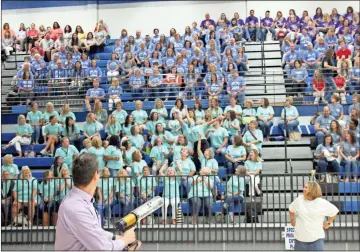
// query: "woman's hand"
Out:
[326,225]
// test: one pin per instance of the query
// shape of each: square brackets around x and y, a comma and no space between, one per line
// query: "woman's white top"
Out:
[309,217]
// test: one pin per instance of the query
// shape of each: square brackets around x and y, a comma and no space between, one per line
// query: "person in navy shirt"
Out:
[311,58]
[290,58]
[207,19]
[94,94]
[267,25]
[252,25]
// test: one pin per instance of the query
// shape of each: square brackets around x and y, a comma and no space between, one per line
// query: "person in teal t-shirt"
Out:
[253,136]
[48,190]
[136,139]
[201,194]
[124,191]
[152,122]
[235,190]
[112,128]
[232,124]
[67,152]
[219,137]
[65,112]
[292,115]
[105,193]
[171,192]
[140,115]
[23,133]
[52,131]
[72,131]
[186,167]
[119,113]
[253,168]
[137,166]
[98,150]
[34,117]
[8,165]
[25,192]
[160,109]
[159,153]
[114,155]
[147,186]
[235,155]
[91,126]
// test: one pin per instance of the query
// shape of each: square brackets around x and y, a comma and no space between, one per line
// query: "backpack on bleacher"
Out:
[251,214]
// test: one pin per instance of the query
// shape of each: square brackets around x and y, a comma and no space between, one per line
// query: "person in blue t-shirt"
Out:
[26,88]
[112,66]
[349,151]
[93,94]
[298,76]
[137,83]
[236,87]
[311,57]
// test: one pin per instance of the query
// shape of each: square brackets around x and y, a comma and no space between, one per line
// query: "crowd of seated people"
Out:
[328,42]
[186,141]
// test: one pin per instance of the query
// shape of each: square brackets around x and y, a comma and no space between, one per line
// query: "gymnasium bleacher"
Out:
[279,185]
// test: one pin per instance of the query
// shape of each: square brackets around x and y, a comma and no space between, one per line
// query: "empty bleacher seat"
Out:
[45,162]
[349,188]
[18,109]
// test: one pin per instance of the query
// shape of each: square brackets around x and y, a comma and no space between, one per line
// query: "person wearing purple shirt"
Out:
[93,94]
[292,27]
[252,25]
[318,16]
[267,25]
[292,13]
[334,15]
[79,225]
[349,13]
[280,23]
[207,19]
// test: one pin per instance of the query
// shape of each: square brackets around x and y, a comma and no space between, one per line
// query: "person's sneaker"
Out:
[43,152]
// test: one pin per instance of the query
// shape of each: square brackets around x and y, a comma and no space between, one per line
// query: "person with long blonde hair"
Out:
[311,215]
[25,194]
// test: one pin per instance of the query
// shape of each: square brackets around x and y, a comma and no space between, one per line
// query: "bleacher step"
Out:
[294,153]
[278,167]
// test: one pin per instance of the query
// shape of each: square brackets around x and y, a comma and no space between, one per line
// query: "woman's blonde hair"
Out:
[119,102]
[156,101]
[86,141]
[23,170]
[138,102]
[211,153]
[250,102]
[115,82]
[103,172]
[20,117]
[96,142]
[314,190]
[240,170]
[97,108]
[7,159]
[290,100]
[111,117]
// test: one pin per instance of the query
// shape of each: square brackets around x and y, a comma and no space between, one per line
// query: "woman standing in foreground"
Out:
[307,214]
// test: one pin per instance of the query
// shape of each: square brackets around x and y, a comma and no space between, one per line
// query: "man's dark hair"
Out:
[84,168]
[115,141]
